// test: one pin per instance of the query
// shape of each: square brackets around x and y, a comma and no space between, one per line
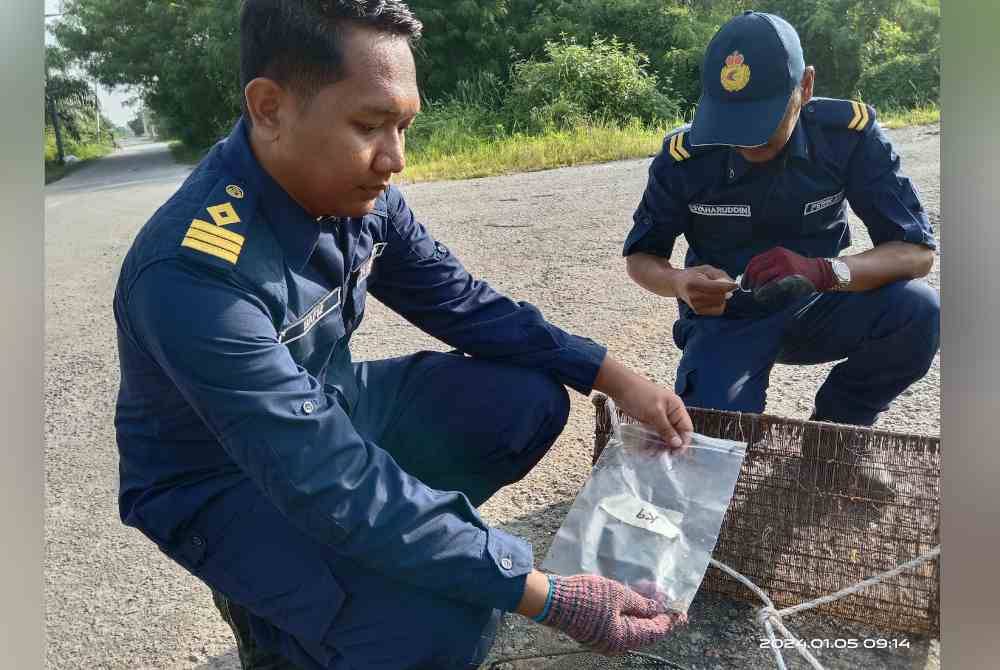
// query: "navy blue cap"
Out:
[751,68]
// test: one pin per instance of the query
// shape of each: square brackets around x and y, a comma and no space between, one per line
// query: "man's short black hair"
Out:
[299,42]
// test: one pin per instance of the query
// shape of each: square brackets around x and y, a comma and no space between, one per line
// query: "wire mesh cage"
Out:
[806,520]
[583,660]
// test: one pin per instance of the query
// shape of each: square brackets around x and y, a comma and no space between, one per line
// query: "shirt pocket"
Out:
[822,212]
[318,330]
[718,228]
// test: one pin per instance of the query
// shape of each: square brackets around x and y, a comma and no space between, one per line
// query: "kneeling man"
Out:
[758,185]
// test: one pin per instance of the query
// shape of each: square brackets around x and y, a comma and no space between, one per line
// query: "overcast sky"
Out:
[112,101]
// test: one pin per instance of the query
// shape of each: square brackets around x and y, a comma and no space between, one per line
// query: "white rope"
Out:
[770,617]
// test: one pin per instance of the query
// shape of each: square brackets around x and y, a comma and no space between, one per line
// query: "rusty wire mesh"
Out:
[583,660]
[803,526]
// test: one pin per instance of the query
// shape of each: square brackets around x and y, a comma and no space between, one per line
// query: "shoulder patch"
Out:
[218,230]
[679,144]
[848,114]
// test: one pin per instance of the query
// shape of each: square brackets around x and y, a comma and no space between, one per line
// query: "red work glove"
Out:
[605,615]
[778,263]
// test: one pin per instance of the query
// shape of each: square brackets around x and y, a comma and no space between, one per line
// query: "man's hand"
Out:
[778,263]
[605,615]
[650,403]
[704,288]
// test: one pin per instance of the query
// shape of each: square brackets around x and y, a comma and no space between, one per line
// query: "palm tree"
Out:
[67,98]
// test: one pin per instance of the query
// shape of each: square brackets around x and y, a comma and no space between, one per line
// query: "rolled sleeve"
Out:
[299,447]
[507,552]
[662,213]
[882,197]
[426,284]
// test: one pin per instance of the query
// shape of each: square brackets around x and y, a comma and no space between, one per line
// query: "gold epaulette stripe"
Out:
[860,119]
[677,149]
[207,227]
[213,240]
[210,250]
[220,242]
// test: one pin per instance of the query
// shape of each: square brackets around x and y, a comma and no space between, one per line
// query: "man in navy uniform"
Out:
[758,185]
[330,505]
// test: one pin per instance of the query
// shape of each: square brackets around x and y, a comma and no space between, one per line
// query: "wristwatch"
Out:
[841,272]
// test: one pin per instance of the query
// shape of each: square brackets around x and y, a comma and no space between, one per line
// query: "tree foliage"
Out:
[673,35]
[137,125]
[607,81]
[183,54]
[462,39]
[71,96]
[834,34]
[902,66]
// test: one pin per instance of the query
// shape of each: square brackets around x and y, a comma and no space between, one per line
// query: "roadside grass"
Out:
[55,172]
[454,147]
[464,156]
[449,143]
[85,152]
[919,116]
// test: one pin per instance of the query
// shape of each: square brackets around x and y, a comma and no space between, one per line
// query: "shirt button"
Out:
[197,540]
[506,563]
[308,407]
[732,173]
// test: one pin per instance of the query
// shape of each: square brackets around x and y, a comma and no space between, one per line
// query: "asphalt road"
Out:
[552,238]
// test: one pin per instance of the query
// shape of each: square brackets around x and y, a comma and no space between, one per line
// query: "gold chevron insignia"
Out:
[213,240]
[677,149]
[223,214]
[860,119]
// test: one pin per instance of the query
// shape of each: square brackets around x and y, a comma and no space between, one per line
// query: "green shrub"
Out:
[452,126]
[485,90]
[87,147]
[685,81]
[908,80]
[607,81]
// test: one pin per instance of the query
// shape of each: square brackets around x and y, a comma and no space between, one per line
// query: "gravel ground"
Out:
[552,238]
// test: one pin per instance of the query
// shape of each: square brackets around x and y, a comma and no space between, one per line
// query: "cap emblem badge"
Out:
[735,74]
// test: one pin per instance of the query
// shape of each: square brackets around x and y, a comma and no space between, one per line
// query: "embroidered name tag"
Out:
[829,201]
[312,317]
[719,210]
[368,265]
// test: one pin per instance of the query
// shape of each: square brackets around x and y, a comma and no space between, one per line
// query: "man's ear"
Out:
[808,80]
[265,100]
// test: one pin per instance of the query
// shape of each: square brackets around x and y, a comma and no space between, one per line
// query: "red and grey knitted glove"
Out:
[605,615]
[778,263]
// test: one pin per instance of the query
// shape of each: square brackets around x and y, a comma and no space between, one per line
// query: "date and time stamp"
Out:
[835,643]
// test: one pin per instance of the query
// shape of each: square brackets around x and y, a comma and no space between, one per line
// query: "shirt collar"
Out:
[296,231]
[798,143]
[797,147]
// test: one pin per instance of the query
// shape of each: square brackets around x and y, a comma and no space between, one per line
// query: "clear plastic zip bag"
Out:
[649,516]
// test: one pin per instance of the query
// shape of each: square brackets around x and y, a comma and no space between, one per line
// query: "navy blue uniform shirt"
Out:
[729,210]
[235,310]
